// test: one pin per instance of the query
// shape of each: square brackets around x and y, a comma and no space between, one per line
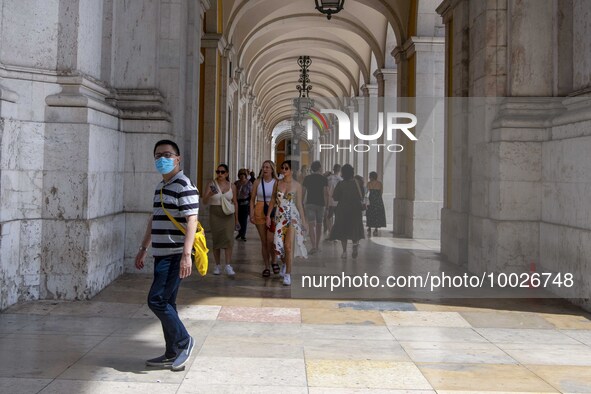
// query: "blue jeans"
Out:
[162,301]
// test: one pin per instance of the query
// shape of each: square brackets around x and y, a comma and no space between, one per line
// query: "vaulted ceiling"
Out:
[269,35]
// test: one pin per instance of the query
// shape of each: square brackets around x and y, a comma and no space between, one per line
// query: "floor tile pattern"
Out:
[254,336]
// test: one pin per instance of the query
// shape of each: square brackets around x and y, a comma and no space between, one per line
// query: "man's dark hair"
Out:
[175,147]
[336,168]
[315,167]
[347,171]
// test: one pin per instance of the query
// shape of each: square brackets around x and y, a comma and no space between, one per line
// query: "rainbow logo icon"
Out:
[319,119]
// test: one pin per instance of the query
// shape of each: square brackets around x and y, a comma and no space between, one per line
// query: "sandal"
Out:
[266,273]
[276,268]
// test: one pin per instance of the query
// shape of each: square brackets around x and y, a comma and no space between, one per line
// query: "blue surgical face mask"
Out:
[164,165]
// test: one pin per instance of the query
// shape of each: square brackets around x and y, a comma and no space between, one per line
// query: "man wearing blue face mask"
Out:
[171,250]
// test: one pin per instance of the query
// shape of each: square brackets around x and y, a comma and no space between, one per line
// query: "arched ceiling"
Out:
[268,36]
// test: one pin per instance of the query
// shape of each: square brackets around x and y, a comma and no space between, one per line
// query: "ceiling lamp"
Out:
[329,7]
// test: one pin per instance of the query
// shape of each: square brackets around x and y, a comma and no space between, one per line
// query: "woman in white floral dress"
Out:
[289,224]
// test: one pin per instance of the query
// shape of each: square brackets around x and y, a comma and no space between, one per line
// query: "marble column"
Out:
[211,153]
[419,191]
[386,161]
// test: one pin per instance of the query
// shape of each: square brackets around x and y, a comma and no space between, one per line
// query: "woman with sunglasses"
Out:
[244,188]
[289,224]
[262,190]
[222,225]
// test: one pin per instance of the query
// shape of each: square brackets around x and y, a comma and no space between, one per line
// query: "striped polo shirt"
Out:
[181,199]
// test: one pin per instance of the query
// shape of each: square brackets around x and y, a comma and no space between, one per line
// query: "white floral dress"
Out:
[286,216]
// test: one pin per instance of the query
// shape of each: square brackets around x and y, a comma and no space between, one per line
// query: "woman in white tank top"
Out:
[262,191]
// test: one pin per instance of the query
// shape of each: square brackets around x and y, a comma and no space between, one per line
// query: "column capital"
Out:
[205,5]
[446,9]
[211,40]
[384,74]
[369,90]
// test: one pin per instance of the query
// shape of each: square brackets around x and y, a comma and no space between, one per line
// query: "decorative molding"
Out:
[7,94]
[139,104]
[79,91]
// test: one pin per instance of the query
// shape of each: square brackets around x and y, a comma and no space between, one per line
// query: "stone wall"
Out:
[86,89]
[517,178]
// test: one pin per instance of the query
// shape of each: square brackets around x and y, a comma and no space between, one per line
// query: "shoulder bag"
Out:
[199,243]
[227,206]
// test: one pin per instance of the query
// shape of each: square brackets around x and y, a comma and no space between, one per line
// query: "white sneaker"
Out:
[217,270]
[230,270]
[282,272]
[287,280]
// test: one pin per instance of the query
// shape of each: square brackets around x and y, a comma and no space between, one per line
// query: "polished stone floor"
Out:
[256,336]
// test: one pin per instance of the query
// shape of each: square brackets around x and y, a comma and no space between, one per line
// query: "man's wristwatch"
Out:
[143,248]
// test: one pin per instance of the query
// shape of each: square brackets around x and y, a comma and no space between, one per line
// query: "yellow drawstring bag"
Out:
[199,243]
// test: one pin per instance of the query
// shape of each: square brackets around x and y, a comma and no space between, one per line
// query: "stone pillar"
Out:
[248,126]
[211,153]
[386,161]
[232,102]
[581,12]
[224,126]
[375,107]
[454,215]
[419,194]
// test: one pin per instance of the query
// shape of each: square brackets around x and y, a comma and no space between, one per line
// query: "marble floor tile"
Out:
[144,312]
[332,390]
[11,323]
[583,336]
[300,303]
[95,308]
[60,386]
[260,315]
[380,306]
[483,377]
[542,354]
[193,312]
[425,307]
[360,349]
[36,364]
[506,320]
[228,301]
[130,294]
[424,319]
[526,335]
[568,322]
[244,371]
[14,343]
[435,334]
[22,385]
[193,388]
[490,392]
[341,316]
[333,331]
[128,367]
[256,330]
[365,374]
[151,327]
[268,347]
[199,312]
[74,325]
[143,347]
[568,379]
[41,307]
[456,352]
